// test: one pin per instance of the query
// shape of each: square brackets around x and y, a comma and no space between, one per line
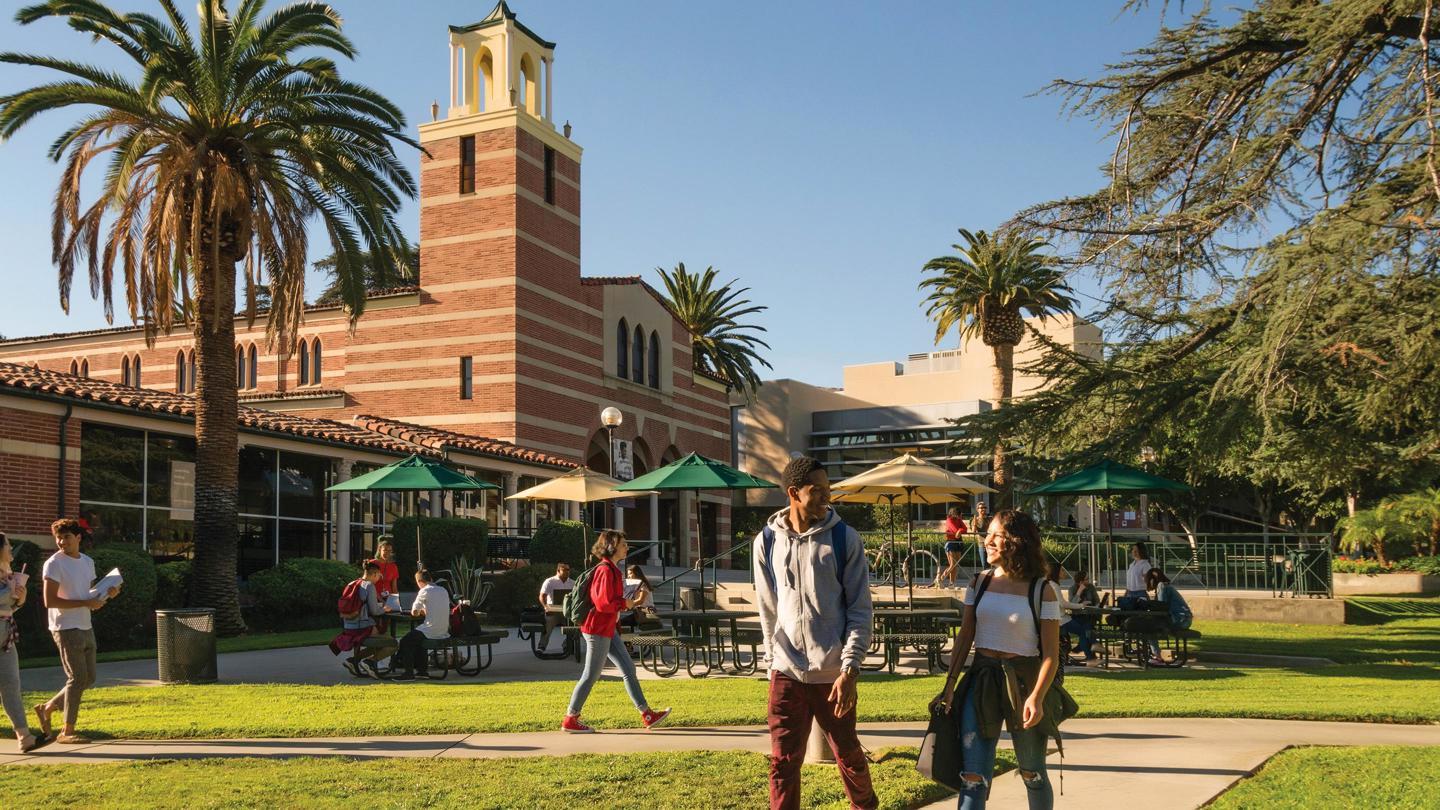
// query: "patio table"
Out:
[899,627]
[708,628]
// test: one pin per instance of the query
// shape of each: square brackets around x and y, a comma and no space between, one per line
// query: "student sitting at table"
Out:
[1081,625]
[1176,608]
[432,603]
[360,634]
[639,589]
[552,598]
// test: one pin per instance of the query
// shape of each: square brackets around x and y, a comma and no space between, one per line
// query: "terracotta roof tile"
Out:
[55,384]
[438,439]
[287,396]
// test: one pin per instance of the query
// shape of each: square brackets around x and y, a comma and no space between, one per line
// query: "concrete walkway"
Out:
[1180,763]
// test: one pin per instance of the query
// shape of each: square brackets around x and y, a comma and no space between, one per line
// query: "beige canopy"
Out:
[908,475]
[581,485]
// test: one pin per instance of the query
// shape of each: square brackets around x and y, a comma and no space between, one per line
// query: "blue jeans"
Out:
[979,758]
[1082,629]
[597,649]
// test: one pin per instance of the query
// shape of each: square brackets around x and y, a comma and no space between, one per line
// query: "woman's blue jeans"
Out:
[597,649]
[1082,629]
[979,758]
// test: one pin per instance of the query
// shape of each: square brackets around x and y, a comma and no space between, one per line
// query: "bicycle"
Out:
[919,567]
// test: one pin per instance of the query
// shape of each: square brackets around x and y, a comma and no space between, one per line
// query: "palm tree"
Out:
[986,290]
[1420,511]
[221,149]
[720,343]
[377,277]
[1368,528]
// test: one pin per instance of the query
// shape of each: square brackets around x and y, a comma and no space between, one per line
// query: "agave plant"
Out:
[722,345]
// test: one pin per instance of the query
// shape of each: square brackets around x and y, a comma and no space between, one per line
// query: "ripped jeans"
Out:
[979,758]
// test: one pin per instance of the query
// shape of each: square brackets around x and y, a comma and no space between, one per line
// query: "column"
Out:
[453,71]
[686,502]
[512,508]
[654,529]
[342,512]
[437,504]
[549,93]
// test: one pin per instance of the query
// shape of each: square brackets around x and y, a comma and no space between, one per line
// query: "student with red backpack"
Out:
[595,604]
[359,605]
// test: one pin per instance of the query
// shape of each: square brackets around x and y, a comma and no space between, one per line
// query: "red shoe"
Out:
[572,724]
[654,718]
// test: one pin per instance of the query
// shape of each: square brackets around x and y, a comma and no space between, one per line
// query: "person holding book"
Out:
[69,601]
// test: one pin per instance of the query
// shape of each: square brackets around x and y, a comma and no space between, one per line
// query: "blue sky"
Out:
[819,152]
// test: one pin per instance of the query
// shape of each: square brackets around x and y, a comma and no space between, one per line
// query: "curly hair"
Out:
[798,471]
[1021,554]
[607,543]
[66,526]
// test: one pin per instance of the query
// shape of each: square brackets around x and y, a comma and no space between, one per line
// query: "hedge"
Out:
[558,541]
[128,620]
[515,589]
[298,593]
[442,539]
[172,585]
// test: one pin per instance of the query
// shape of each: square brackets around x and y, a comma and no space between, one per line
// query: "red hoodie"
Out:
[607,592]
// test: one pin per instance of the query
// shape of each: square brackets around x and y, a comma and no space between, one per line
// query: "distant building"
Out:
[885,409]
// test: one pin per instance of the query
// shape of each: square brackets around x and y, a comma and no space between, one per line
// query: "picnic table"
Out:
[919,628]
[1133,631]
[452,652]
[705,636]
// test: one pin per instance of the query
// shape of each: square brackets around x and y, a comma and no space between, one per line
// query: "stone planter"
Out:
[1403,582]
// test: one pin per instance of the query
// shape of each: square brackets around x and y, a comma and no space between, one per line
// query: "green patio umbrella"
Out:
[414,474]
[1109,478]
[695,472]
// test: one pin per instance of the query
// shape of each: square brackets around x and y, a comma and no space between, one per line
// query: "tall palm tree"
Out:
[986,289]
[720,342]
[233,134]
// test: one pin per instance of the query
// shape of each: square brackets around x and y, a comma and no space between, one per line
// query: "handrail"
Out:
[700,565]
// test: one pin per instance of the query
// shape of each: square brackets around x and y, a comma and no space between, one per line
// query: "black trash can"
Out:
[185,645]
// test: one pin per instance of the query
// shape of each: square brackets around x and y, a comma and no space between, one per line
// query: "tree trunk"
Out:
[213,578]
[1002,385]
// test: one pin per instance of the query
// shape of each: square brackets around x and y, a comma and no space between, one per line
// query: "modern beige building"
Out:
[884,409]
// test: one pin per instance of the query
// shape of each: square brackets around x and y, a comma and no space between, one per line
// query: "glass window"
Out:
[170,478]
[257,545]
[304,363]
[253,369]
[637,359]
[180,372]
[549,175]
[257,481]
[467,377]
[168,538]
[114,524]
[315,363]
[112,464]
[74,368]
[467,164]
[622,350]
[300,538]
[85,368]
[654,359]
[240,367]
[302,485]
[190,361]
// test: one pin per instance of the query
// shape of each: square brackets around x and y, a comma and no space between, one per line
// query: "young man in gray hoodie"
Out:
[816,617]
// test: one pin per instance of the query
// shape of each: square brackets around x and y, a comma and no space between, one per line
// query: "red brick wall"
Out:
[30,485]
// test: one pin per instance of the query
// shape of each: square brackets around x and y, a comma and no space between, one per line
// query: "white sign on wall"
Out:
[624,459]
[182,490]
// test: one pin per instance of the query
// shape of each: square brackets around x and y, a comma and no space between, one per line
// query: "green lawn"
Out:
[1409,639]
[1374,692]
[246,643]
[1340,778]
[643,781]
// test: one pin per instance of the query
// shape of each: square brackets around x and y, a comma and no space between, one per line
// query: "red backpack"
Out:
[351,600]
[463,621]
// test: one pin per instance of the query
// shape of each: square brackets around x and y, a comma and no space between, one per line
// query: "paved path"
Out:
[1108,763]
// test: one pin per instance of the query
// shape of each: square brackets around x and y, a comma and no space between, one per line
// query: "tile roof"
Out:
[438,439]
[57,385]
[287,396]
[389,292]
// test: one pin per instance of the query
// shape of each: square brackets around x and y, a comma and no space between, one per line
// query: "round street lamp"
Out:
[611,418]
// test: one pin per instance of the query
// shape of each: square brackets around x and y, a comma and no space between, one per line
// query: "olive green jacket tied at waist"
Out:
[1000,687]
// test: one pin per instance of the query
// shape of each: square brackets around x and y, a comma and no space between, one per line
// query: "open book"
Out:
[102,588]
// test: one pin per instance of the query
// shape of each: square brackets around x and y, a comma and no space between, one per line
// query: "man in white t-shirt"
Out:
[552,599]
[432,603]
[68,601]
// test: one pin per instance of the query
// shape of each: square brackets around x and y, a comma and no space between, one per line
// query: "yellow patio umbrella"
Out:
[581,485]
[914,479]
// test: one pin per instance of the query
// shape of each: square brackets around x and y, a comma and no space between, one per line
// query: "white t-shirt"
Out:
[436,603]
[553,590]
[1135,575]
[1003,621]
[74,575]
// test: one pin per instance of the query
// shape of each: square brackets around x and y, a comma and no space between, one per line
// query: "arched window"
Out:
[85,367]
[181,369]
[304,362]
[190,361]
[253,369]
[240,367]
[637,355]
[125,370]
[315,364]
[622,350]
[655,360]
[484,80]
[130,371]
[74,368]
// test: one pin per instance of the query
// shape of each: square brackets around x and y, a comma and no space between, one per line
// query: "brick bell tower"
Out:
[499,226]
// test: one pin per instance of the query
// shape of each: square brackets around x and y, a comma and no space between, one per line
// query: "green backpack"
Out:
[578,603]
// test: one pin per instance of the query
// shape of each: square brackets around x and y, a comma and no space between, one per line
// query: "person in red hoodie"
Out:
[602,639]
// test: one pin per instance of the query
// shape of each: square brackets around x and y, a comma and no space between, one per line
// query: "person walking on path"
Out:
[955,531]
[69,576]
[1012,619]
[813,591]
[602,638]
[12,597]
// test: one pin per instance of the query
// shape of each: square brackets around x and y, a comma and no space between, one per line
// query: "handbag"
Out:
[940,755]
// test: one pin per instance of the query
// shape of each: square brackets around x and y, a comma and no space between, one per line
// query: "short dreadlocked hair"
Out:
[797,472]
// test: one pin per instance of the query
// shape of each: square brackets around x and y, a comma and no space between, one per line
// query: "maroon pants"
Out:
[792,705]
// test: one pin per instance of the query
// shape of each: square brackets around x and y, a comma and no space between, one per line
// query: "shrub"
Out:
[442,540]
[128,620]
[172,584]
[34,633]
[516,589]
[747,521]
[559,541]
[298,593]
[1421,565]
[1345,565]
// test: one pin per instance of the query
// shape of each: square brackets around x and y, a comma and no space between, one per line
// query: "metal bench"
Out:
[890,645]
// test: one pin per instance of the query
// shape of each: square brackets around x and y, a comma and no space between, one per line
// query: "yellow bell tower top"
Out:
[498,63]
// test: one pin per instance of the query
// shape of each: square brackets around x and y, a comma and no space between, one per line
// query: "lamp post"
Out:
[612,418]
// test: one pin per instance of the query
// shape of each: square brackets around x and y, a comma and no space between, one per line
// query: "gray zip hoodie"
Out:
[809,634]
